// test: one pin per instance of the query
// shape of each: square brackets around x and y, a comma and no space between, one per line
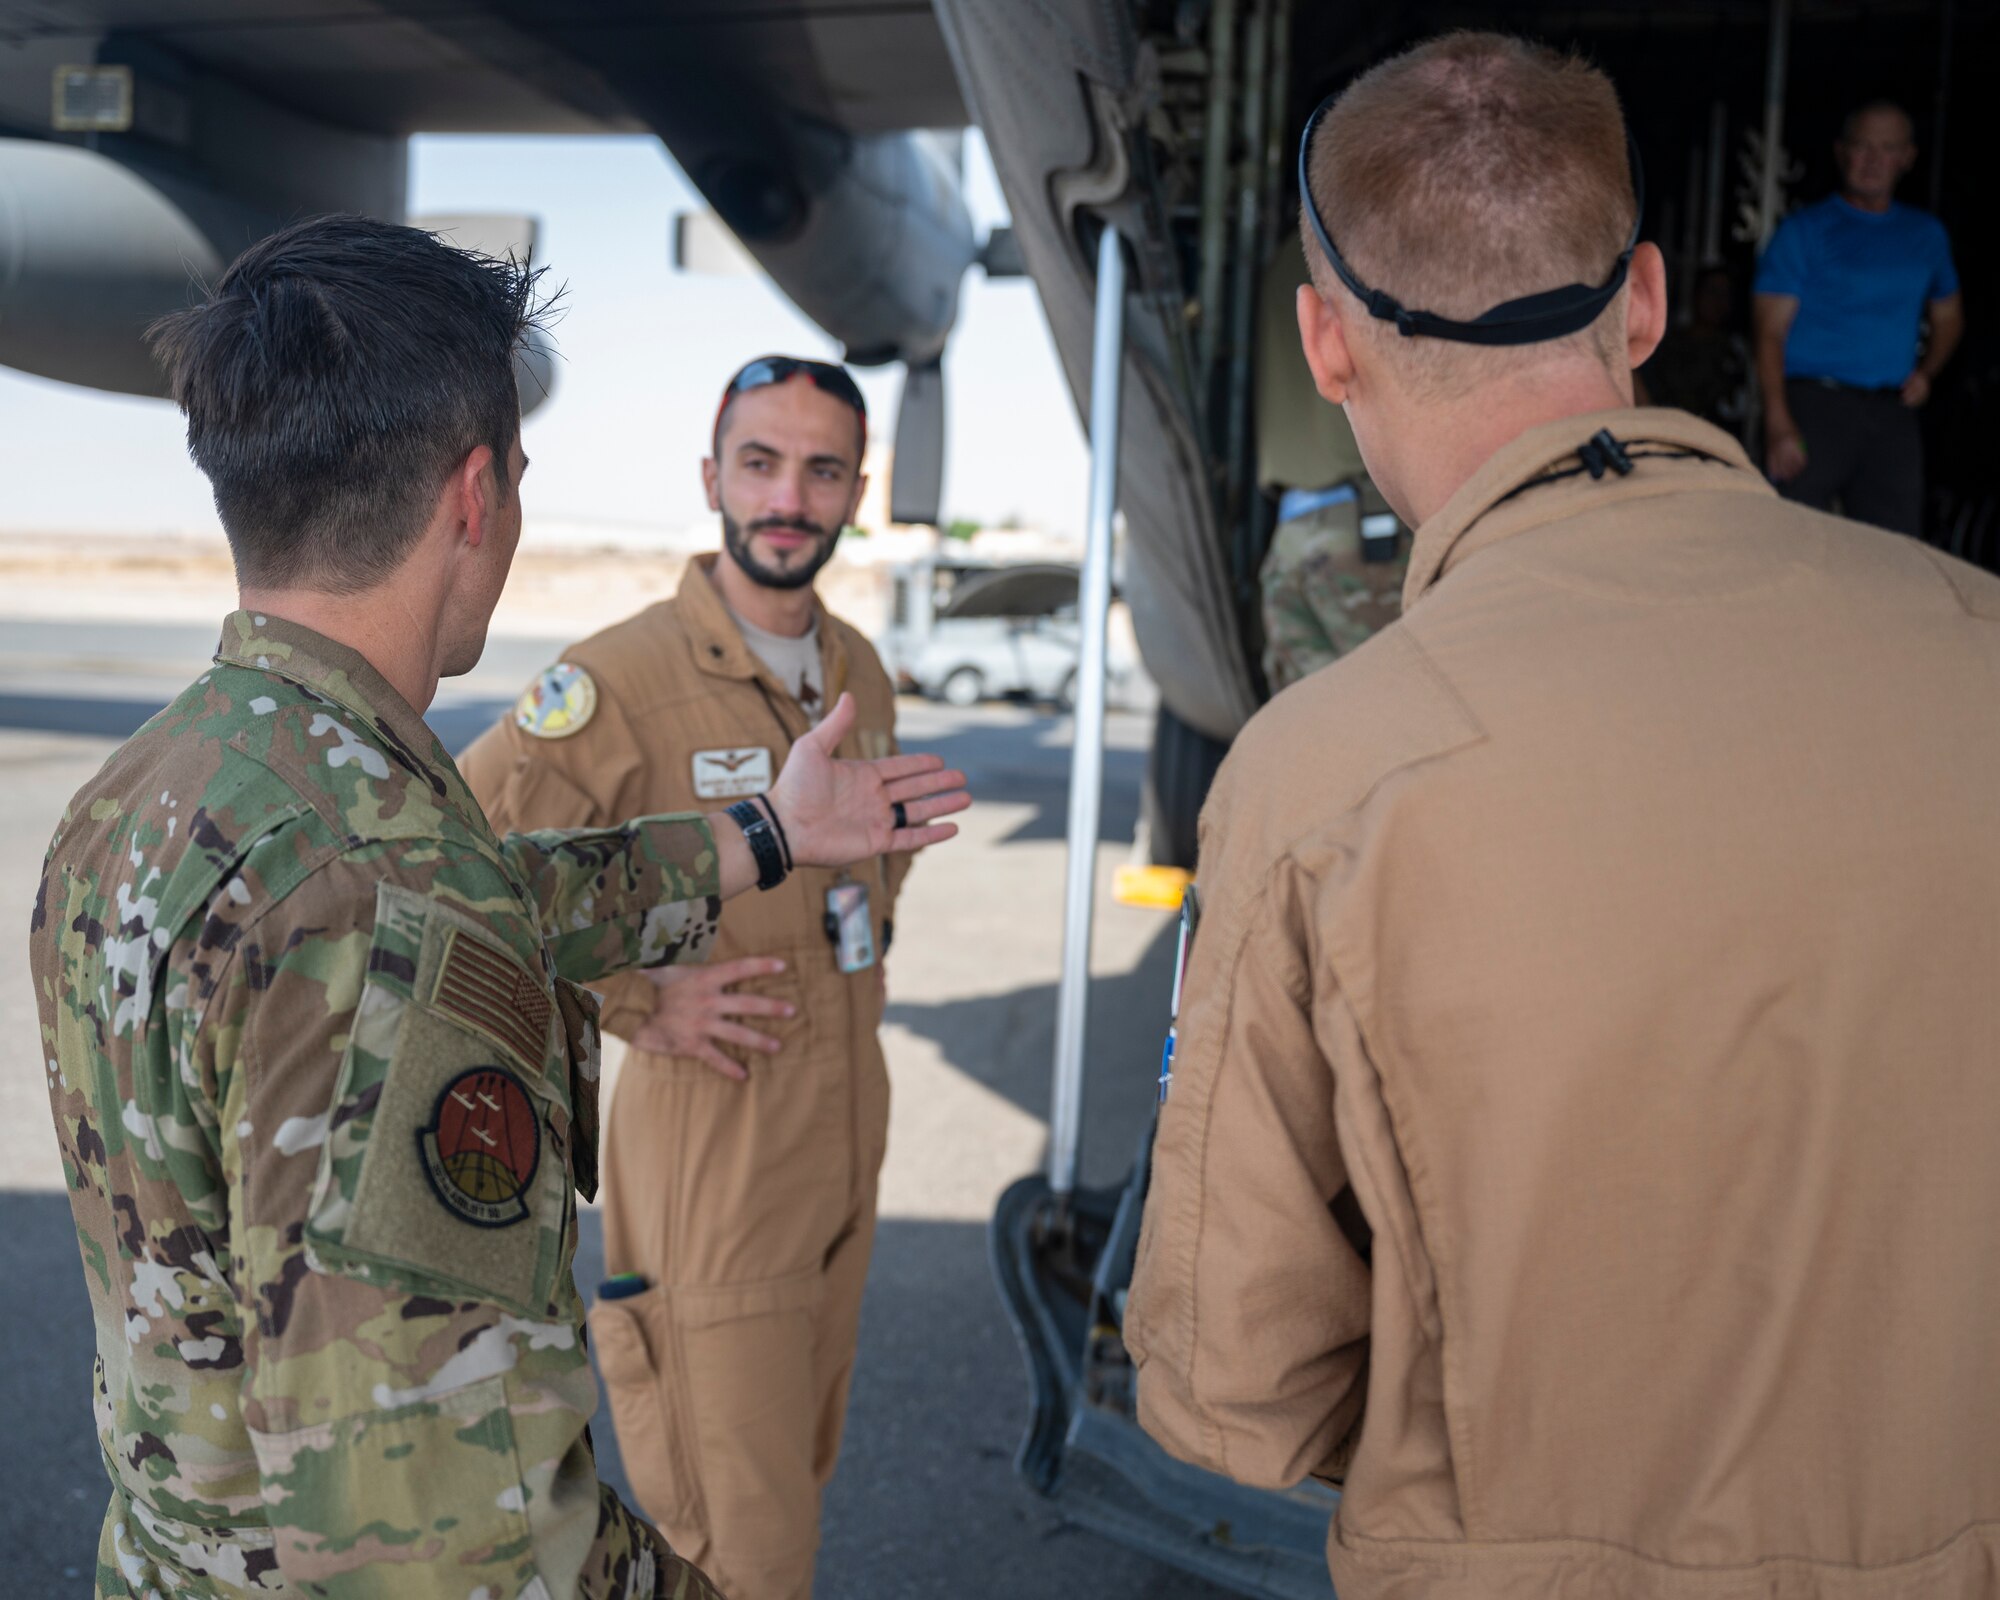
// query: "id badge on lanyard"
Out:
[849,926]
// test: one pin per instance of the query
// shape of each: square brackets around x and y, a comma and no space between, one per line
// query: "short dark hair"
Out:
[333,378]
[1848,122]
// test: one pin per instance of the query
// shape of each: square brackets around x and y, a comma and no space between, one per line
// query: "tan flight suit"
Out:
[1619,936]
[750,1205]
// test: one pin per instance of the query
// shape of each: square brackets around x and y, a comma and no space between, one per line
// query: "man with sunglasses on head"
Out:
[1579,1140]
[748,1126]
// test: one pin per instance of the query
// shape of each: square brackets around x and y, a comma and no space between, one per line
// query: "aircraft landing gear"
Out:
[1182,765]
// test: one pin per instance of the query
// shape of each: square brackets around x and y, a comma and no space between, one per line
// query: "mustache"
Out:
[787,525]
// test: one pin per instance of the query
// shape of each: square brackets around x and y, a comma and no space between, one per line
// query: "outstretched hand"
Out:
[836,813]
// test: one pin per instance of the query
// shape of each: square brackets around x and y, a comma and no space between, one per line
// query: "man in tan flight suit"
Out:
[1582,1138]
[748,1126]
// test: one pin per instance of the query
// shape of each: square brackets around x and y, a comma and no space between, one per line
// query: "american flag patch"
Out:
[492,995]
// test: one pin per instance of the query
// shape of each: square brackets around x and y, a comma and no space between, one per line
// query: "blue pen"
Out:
[1190,916]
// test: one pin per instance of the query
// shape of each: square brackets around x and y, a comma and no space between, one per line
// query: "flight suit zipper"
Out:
[852,1046]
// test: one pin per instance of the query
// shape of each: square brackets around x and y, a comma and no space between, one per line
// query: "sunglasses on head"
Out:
[1528,320]
[767,370]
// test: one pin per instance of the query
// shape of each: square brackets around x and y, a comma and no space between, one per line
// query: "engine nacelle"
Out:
[89,254]
[870,238]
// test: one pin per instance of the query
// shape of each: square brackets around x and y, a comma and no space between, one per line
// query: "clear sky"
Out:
[645,351]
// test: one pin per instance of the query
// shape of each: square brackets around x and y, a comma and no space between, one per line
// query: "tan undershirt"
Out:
[793,662]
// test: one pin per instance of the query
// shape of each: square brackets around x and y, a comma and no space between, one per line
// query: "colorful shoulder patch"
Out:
[481,1147]
[560,702]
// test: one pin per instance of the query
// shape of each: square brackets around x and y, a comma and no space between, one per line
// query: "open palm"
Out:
[837,812]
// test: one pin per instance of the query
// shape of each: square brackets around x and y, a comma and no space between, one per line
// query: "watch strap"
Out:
[763,842]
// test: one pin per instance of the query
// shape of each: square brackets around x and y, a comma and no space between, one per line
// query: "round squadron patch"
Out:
[560,702]
[482,1146]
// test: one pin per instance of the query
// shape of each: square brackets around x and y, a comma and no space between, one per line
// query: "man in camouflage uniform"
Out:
[322,1074]
[1330,580]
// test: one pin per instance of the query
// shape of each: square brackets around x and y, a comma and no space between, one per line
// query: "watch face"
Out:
[763,843]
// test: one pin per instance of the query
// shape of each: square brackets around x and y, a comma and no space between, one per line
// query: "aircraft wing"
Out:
[142,141]
[145,140]
[399,67]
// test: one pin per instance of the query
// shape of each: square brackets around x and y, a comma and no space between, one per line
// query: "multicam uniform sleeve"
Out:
[1296,641]
[524,783]
[1248,1315]
[414,1380]
[645,893]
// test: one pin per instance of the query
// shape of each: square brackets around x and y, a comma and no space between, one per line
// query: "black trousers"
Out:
[1863,450]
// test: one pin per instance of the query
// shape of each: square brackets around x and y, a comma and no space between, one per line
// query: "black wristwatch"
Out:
[763,842]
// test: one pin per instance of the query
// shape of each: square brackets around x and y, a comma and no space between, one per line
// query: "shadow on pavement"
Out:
[52,1484]
[83,714]
[925,1503]
[1014,764]
[1011,764]
[1128,1025]
[457,723]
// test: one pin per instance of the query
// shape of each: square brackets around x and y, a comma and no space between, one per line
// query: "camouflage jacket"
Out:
[1322,596]
[325,1089]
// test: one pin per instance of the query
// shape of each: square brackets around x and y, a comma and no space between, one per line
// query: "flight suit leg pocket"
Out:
[749,1351]
[638,1351]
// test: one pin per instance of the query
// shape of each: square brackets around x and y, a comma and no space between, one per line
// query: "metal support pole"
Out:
[1941,105]
[1215,184]
[1086,771]
[1776,67]
[1718,153]
[1237,469]
[1278,107]
[1689,265]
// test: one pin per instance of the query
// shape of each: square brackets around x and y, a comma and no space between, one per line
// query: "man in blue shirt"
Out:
[1842,291]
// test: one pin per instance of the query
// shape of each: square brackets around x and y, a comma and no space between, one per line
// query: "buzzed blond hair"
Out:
[1468,171]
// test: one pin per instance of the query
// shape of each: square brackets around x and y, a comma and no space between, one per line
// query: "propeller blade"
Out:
[916,480]
[502,235]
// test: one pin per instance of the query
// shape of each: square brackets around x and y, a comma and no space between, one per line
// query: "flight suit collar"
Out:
[719,646]
[333,671]
[1495,501]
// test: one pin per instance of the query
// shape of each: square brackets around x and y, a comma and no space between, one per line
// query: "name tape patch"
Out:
[731,774]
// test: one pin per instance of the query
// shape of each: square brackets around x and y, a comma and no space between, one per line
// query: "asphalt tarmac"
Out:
[925,1502]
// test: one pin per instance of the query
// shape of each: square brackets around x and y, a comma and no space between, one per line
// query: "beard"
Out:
[736,540]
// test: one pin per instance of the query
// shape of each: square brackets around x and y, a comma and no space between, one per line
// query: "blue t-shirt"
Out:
[1862,280]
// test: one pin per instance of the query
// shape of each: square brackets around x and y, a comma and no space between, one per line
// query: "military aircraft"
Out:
[1145,149]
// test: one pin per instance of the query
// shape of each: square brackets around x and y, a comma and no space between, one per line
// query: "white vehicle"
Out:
[965,631]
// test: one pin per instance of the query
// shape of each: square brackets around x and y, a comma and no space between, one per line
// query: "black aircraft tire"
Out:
[1179,770]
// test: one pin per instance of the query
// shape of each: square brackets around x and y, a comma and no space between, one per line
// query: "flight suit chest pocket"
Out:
[446,1167]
